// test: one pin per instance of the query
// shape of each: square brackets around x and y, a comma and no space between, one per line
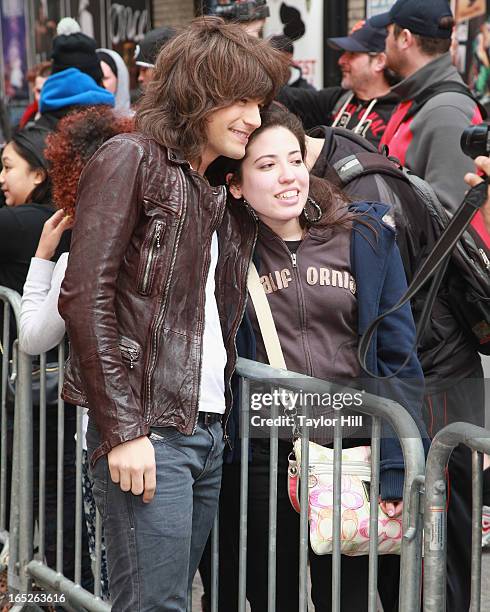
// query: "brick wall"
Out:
[172,12]
[356,11]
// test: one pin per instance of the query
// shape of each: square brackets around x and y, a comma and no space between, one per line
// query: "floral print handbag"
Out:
[355,511]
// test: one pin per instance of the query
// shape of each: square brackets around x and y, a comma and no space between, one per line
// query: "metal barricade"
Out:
[20,367]
[28,569]
[379,409]
[435,519]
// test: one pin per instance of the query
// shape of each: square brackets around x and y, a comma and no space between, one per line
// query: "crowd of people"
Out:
[129,228]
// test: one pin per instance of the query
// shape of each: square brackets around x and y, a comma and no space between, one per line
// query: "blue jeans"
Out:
[153,550]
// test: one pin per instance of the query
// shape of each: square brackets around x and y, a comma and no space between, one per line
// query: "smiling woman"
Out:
[322,264]
[24,181]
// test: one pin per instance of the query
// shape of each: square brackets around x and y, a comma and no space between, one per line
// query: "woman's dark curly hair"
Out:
[76,139]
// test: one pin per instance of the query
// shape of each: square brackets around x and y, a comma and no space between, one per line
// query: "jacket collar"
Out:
[439,69]
[176,157]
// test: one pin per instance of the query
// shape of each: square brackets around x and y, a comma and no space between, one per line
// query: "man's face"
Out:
[228,130]
[394,58]
[145,75]
[356,70]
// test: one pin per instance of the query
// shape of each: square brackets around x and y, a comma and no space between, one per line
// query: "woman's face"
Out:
[17,179]
[275,180]
[38,85]
[109,81]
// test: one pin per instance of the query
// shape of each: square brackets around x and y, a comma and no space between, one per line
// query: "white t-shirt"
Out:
[212,390]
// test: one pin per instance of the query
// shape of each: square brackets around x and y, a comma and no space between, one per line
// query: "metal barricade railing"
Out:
[11,538]
[28,569]
[435,519]
[379,409]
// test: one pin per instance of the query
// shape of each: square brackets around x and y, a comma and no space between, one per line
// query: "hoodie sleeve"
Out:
[395,340]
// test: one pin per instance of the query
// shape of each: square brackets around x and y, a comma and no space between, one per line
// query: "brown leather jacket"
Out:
[133,294]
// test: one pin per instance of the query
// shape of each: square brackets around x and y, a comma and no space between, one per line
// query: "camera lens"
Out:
[474,140]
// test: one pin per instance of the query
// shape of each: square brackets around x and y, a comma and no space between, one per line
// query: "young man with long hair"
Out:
[153,295]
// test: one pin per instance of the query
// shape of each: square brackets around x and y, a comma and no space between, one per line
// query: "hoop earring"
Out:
[317,209]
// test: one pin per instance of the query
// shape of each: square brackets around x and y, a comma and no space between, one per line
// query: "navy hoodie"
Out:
[380,278]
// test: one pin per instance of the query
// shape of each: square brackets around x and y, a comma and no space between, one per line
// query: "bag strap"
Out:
[365,163]
[265,319]
[435,264]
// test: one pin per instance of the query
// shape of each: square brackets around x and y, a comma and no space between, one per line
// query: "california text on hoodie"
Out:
[429,142]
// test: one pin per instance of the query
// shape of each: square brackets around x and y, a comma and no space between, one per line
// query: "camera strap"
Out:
[434,267]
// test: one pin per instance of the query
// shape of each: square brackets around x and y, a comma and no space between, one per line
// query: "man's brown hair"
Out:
[207,66]
[431,46]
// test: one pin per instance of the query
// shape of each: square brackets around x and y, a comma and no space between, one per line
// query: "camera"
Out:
[241,10]
[475,140]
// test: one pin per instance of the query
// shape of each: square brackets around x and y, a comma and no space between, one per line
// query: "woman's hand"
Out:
[483,164]
[51,235]
[392,508]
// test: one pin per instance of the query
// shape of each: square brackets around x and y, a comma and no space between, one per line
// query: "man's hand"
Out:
[51,235]
[132,465]
[483,164]
[392,508]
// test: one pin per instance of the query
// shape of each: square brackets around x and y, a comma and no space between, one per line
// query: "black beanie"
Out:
[74,49]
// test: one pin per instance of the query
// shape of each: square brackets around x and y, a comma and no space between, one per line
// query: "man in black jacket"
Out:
[444,350]
[363,103]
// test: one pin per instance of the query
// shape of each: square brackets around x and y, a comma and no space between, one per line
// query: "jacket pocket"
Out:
[130,350]
[150,255]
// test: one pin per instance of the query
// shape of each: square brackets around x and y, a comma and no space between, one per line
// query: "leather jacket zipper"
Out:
[130,350]
[159,319]
[152,253]
[130,355]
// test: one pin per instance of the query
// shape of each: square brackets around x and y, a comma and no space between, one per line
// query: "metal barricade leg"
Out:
[373,517]
[245,431]
[25,450]
[273,472]
[3,416]
[60,468]
[435,529]
[476,551]
[303,526]
[215,564]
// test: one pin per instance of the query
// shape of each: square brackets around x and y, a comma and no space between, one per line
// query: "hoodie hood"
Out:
[72,87]
[122,92]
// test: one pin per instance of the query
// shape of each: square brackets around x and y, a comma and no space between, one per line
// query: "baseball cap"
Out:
[419,16]
[364,39]
[146,52]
